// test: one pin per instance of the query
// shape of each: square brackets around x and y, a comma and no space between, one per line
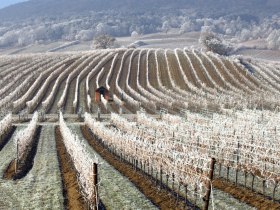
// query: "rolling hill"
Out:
[41,8]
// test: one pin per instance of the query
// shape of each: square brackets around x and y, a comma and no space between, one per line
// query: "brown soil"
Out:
[241,193]
[72,197]
[26,163]
[10,171]
[161,198]
[6,137]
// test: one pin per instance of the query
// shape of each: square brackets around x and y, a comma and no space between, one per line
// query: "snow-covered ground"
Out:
[270,55]
[172,39]
[158,40]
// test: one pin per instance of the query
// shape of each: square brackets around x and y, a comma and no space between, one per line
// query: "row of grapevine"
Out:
[5,124]
[82,160]
[251,148]
[34,102]
[173,79]
[178,99]
[7,101]
[101,63]
[109,75]
[120,91]
[162,157]
[195,74]
[11,67]
[134,93]
[229,73]
[44,76]
[70,77]
[150,89]
[82,74]
[186,80]
[221,76]
[149,95]
[50,98]
[25,137]
[21,73]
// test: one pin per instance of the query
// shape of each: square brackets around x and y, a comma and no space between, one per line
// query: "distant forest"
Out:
[40,21]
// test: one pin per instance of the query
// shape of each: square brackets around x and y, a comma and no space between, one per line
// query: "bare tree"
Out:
[165,26]
[212,42]
[104,41]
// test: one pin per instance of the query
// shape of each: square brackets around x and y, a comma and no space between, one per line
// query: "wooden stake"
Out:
[263,184]
[160,176]
[252,186]
[173,180]
[274,191]
[227,173]
[220,169]
[245,178]
[186,193]
[237,161]
[95,181]
[16,162]
[208,192]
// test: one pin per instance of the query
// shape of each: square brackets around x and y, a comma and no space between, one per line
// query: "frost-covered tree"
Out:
[102,28]
[85,35]
[165,26]
[273,40]
[212,42]
[134,34]
[245,34]
[9,38]
[186,27]
[104,42]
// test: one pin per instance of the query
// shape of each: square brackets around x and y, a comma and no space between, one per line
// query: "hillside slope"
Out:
[150,78]
[38,8]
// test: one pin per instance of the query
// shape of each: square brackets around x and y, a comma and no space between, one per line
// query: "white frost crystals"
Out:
[82,160]
[24,138]
[132,141]
[5,124]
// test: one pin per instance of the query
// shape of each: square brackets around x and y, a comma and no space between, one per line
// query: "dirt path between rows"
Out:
[27,161]
[161,198]
[73,200]
[246,196]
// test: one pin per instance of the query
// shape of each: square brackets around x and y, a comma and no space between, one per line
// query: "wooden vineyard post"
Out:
[237,161]
[173,180]
[252,185]
[98,114]
[186,193]
[274,191]
[208,192]
[95,181]
[245,177]
[160,177]
[16,162]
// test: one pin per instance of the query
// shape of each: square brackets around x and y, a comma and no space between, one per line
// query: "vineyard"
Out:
[139,129]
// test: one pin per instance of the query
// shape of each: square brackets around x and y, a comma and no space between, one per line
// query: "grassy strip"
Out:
[241,193]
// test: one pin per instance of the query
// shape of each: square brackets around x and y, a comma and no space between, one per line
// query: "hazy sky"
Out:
[5,3]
